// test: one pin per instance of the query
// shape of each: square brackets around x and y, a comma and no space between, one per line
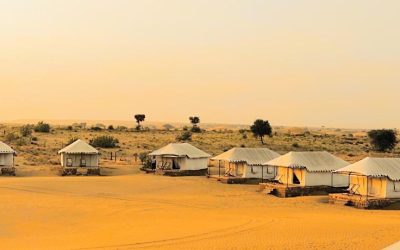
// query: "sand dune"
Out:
[146,211]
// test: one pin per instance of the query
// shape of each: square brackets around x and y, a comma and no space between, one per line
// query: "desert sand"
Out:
[148,211]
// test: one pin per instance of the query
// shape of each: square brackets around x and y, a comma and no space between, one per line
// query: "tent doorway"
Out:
[175,164]
[295,179]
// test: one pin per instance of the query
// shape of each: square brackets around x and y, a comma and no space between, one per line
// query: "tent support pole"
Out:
[367,188]
[219,170]
[262,173]
[287,177]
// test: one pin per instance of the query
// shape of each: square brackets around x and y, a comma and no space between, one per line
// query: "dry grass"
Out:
[351,145]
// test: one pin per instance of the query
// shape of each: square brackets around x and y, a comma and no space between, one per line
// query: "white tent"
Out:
[376,177]
[180,156]
[309,169]
[248,162]
[79,154]
[6,155]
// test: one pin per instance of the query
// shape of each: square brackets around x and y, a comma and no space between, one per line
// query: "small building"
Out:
[180,159]
[374,182]
[245,165]
[7,155]
[305,173]
[79,154]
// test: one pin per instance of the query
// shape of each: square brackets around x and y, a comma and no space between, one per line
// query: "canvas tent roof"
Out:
[252,156]
[79,147]
[180,150]
[5,149]
[312,161]
[375,167]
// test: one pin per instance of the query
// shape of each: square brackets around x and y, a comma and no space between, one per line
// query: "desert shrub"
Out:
[26,130]
[185,136]
[96,128]
[69,128]
[104,142]
[195,129]
[11,137]
[22,141]
[383,139]
[145,159]
[111,127]
[34,138]
[295,145]
[121,128]
[42,127]
[168,126]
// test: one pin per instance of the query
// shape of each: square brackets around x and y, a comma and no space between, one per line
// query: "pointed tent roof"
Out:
[179,150]
[252,156]
[312,161]
[375,167]
[5,149]
[79,147]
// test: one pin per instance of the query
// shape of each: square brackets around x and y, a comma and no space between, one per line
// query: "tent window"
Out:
[396,186]
[83,162]
[69,162]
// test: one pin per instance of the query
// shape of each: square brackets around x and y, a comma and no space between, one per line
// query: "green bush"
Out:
[26,130]
[104,142]
[185,136]
[42,127]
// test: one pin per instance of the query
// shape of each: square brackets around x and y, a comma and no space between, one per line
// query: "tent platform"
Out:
[361,202]
[200,172]
[76,171]
[235,180]
[7,171]
[285,191]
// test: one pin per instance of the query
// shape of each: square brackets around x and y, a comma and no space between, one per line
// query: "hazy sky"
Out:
[332,63]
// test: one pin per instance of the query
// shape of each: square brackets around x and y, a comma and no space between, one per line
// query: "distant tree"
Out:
[261,128]
[42,127]
[26,130]
[383,139]
[194,120]
[111,127]
[139,118]
[104,142]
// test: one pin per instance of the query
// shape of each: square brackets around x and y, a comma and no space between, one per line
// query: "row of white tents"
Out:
[374,177]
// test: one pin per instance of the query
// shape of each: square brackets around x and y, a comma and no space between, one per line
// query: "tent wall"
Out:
[392,189]
[326,179]
[6,160]
[91,160]
[183,163]
[311,178]
[195,164]
[377,187]
[266,172]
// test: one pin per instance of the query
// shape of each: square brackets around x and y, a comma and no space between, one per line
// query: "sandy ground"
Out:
[153,212]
